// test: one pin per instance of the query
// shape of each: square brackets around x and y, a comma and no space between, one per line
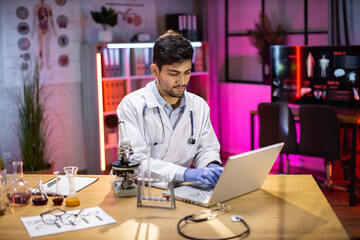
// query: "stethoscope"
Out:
[205,216]
[191,139]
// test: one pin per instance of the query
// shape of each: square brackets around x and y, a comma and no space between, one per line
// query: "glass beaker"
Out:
[39,195]
[18,191]
[72,199]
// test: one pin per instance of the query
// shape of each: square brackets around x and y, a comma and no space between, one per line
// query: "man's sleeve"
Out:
[209,146]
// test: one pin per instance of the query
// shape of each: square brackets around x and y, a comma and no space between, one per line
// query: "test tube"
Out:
[142,175]
[149,171]
[167,183]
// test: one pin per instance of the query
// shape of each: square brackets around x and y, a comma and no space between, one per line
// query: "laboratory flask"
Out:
[18,191]
[58,198]
[72,199]
[39,195]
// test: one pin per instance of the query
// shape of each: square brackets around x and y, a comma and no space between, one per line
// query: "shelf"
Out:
[109,113]
[110,146]
[105,79]
[141,77]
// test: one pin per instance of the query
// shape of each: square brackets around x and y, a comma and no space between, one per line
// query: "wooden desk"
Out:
[348,120]
[288,206]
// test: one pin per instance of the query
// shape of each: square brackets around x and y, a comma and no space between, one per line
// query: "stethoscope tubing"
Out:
[191,140]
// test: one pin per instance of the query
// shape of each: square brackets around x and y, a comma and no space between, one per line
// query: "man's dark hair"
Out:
[171,48]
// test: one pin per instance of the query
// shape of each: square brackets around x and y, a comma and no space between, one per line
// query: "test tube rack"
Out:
[168,194]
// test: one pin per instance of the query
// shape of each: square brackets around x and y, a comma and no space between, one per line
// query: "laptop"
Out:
[243,173]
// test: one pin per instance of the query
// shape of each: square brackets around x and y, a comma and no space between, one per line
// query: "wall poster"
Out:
[46,30]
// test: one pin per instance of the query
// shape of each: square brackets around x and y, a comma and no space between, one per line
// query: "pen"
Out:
[52,183]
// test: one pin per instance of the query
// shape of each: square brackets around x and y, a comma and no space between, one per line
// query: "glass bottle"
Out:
[18,191]
[2,202]
[58,198]
[39,195]
[72,199]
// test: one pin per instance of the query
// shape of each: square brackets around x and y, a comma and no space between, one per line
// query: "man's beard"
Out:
[170,92]
[176,95]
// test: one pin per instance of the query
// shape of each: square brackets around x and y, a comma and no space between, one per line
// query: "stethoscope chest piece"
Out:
[236,218]
[191,140]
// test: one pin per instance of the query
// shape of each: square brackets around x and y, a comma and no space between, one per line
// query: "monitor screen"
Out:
[316,75]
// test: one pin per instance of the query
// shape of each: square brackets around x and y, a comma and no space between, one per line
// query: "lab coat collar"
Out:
[152,102]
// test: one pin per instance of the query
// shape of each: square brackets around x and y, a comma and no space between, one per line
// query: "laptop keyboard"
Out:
[202,195]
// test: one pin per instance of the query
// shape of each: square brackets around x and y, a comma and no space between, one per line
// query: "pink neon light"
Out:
[101,112]
[298,71]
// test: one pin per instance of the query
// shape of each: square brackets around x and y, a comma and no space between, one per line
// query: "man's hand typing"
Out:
[208,176]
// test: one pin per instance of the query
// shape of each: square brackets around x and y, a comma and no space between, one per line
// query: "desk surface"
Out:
[288,206]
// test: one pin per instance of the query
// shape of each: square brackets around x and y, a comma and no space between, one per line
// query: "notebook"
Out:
[243,173]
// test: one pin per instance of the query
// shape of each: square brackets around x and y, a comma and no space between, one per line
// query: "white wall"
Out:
[65,107]
[64,112]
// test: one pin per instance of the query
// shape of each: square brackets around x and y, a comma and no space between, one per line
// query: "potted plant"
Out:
[264,35]
[106,18]
[32,128]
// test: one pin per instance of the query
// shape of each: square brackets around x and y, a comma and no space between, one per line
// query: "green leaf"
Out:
[106,17]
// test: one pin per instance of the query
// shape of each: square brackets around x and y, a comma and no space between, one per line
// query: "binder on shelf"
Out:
[113,93]
[198,61]
[106,96]
[112,62]
[185,24]
[133,62]
[105,62]
[140,61]
[117,55]
[147,61]
[194,35]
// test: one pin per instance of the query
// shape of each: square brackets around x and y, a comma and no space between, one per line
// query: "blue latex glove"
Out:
[217,167]
[208,176]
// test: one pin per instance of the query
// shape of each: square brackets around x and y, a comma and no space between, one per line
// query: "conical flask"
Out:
[58,198]
[72,199]
[39,195]
[18,191]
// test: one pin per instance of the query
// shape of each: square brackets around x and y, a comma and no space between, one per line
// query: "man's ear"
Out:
[155,70]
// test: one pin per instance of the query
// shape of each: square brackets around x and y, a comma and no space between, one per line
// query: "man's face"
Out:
[172,79]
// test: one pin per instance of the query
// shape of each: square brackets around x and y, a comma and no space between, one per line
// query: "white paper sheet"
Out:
[91,217]
[63,182]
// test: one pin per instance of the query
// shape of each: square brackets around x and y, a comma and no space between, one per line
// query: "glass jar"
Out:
[72,199]
[18,191]
[39,195]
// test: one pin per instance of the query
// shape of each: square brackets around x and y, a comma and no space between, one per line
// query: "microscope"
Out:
[123,185]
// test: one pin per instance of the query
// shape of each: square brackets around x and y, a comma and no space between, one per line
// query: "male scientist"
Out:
[174,123]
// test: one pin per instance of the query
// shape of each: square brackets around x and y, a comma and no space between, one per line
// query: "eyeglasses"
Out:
[52,217]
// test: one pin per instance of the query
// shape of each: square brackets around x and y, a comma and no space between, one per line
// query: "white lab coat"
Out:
[174,155]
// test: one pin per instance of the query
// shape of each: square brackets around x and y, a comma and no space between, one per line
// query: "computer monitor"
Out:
[316,75]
